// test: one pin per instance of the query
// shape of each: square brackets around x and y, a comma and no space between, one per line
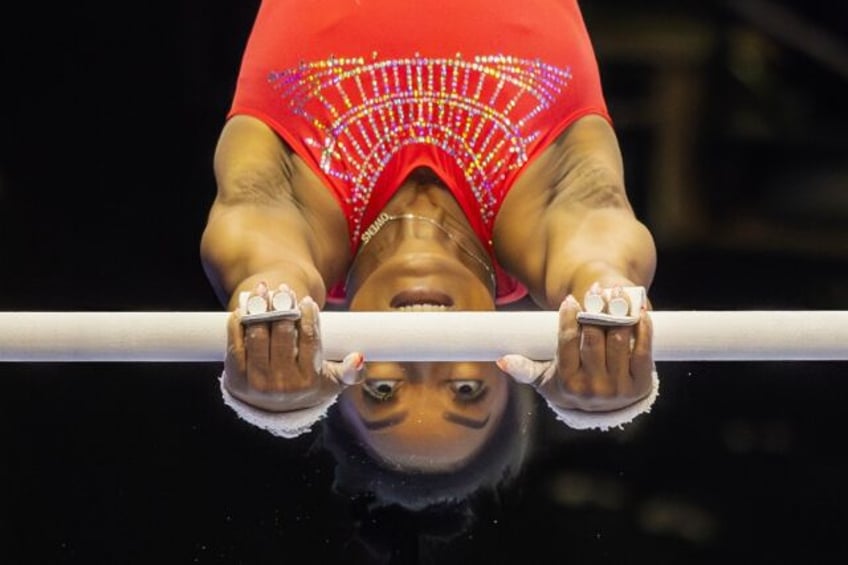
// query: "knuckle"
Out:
[575,386]
[603,388]
[284,327]
[592,337]
[256,332]
[568,335]
[586,388]
[258,380]
[294,386]
[308,330]
[620,339]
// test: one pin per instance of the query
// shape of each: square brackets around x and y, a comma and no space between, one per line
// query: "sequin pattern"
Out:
[480,112]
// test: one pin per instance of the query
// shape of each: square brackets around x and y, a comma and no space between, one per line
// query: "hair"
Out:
[401,512]
[359,475]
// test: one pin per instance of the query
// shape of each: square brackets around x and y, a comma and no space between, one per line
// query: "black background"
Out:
[109,119]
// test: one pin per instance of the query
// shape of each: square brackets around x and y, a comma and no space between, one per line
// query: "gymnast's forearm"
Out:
[256,230]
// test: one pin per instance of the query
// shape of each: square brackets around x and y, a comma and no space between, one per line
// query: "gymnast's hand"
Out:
[597,368]
[277,364]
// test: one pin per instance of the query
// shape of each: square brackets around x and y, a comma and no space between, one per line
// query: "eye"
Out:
[467,389]
[381,389]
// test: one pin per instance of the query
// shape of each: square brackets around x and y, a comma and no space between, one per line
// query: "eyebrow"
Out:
[381,423]
[465,420]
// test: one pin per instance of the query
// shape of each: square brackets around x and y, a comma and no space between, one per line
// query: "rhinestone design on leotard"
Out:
[480,112]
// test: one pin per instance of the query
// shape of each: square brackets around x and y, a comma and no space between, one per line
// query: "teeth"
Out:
[422,308]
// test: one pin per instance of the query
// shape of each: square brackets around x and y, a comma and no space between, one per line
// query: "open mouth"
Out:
[421,301]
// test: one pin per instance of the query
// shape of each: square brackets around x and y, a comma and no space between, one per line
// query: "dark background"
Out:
[731,118]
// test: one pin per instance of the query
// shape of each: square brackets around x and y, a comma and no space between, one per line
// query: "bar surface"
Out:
[30,337]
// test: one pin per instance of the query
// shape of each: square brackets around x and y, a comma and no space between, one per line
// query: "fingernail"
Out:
[262,288]
[594,302]
[352,368]
[518,368]
[571,302]
[282,300]
[256,304]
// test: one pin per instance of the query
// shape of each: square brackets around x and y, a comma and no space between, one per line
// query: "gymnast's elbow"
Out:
[219,253]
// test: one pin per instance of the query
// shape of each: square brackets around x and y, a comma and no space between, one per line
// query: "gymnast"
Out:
[411,156]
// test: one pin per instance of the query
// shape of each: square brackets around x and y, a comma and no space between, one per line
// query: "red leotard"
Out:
[365,91]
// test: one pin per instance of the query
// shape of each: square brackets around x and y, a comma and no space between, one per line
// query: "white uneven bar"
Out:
[421,336]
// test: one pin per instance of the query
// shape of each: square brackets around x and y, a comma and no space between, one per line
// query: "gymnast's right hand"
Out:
[277,365]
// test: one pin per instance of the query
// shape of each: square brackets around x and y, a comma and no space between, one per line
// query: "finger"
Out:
[235,362]
[282,351]
[572,379]
[349,372]
[256,339]
[641,359]
[568,337]
[618,358]
[309,356]
[283,347]
[524,370]
[592,348]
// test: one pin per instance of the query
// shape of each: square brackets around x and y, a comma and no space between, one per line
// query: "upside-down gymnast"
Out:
[424,156]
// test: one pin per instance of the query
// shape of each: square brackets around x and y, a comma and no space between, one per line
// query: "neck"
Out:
[413,233]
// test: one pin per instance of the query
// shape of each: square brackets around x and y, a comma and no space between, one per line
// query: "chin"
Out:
[421,284]
[422,300]
[421,297]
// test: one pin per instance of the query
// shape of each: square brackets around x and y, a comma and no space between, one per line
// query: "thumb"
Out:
[522,369]
[348,371]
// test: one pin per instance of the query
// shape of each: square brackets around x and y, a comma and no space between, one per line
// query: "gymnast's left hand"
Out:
[596,368]
[278,365]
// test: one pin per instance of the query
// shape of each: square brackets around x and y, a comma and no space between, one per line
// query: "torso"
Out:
[364,92]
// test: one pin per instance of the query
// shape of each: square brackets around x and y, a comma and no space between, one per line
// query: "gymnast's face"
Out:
[416,265]
[426,417]
[419,276]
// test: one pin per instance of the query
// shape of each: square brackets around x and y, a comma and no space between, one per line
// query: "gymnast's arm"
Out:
[586,238]
[257,229]
[586,230]
[261,235]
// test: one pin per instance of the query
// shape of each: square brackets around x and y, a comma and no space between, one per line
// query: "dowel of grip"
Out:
[418,336]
